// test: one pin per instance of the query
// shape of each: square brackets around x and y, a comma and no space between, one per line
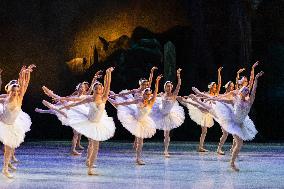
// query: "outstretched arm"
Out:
[253,92]
[151,75]
[153,99]
[178,84]
[238,77]
[126,103]
[84,101]
[200,94]
[251,79]
[219,80]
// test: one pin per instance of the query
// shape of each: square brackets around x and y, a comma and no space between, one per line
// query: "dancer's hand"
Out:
[255,64]
[110,69]
[159,78]
[194,89]
[220,69]
[98,74]
[153,69]
[178,72]
[259,75]
[241,70]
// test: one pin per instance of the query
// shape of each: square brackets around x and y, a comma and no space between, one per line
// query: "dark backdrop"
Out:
[207,34]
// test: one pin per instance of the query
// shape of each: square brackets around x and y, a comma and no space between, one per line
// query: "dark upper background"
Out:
[206,34]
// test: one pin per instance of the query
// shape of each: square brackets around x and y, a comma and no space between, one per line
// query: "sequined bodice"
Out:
[96,111]
[241,109]
[167,105]
[9,115]
[143,111]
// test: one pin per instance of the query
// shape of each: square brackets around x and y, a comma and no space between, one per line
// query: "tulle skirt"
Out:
[168,120]
[142,127]
[77,118]
[203,119]
[226,118]
[13,135]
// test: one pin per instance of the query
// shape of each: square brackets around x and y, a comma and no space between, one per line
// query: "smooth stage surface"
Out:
[49,165]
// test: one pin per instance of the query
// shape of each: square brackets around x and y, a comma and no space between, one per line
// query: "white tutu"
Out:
[167,114]
[199,117]
[100,128]
[136,120]
[13,135]
[225,116]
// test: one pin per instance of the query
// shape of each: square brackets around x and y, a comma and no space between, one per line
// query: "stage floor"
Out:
[49,165]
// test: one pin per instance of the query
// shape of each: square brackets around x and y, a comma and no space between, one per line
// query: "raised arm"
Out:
[156,90]
[238,77]
[253,92]
[219,80]
[151,75]
[107,83]
[24,79]
[178,84]
[251,78]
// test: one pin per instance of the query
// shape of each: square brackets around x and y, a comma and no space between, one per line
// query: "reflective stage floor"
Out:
[49,165]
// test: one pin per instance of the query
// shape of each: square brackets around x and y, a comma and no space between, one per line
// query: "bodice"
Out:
[96,111]
[9,115]
[241,109]
[143,111]
[167,105]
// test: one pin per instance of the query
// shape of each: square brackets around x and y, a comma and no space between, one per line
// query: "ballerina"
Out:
[135,117]
[92,120]
[82,89]
[234,119]
[168,115]
[136,93]
[230,86]
[197,113]
[14,123]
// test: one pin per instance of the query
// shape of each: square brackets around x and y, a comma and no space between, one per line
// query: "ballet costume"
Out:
[204,119]
[135,118]
[234,119]
[13,125]
[90,120]
[167,114]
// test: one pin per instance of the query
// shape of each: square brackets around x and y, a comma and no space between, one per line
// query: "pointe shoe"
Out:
[7,174]
[200,149]
[88,164]
[166,154]
[14,159]
[140,162]
[220,152]
[91,172]
[12,167]
[75,153]
[234,168]
[80,147]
